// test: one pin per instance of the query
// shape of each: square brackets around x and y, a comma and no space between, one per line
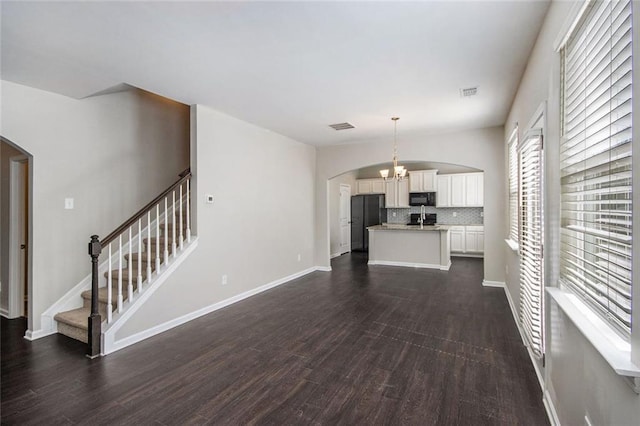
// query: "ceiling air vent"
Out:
[469,91]
[342,126]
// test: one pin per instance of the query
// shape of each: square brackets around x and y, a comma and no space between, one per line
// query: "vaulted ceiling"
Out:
[291,67]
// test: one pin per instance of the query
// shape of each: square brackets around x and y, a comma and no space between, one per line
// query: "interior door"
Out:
[345,219]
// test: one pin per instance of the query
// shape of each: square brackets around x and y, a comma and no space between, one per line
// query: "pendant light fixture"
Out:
[399,172]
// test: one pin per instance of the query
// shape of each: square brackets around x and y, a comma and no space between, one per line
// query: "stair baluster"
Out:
[188,216]
[140,255]
[120,298]
[166,234]
[173,225]
[181,235]
[109,290]
[130,270]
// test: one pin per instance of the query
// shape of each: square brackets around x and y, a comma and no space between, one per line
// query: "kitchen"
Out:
[421,220]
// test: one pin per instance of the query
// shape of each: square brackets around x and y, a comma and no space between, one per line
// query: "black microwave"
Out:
[422,199]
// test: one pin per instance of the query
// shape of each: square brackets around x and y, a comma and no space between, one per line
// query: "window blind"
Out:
[595,161]
[513,185]
[531,239]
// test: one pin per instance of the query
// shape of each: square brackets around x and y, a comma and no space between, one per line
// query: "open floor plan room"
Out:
[360,345]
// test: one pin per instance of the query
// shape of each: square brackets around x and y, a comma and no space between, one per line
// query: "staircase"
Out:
[141,249]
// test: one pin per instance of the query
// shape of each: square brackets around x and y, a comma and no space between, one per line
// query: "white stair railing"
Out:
[158,221]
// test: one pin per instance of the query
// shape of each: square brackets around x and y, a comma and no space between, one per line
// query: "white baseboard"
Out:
[334,255]
[38,334]
[4,312]
[476,255]
[514,312]
[551,409]
[130,340]
[409,264]
[322,268]
[487,283]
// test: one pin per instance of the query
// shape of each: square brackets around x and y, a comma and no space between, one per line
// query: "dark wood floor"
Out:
[360,345]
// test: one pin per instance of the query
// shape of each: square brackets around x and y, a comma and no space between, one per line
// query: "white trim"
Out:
[15,284]
[613,348]
[514,313]
[498,284]
[334,255]
[568,26]
[38,334]
[409,264]
[112,345]
[550,408]
[512,245]
[109,344]
[4,312]
[322,268]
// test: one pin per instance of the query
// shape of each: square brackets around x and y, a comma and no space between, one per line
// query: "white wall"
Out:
[334,207]
[578,380]
[481,149]
[111,153]
[261,219]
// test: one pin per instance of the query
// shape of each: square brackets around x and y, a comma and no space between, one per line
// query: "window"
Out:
[513,185]
[531,240]
[595,162]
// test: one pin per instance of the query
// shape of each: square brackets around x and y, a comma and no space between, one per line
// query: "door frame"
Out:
[348,206]
[17,215]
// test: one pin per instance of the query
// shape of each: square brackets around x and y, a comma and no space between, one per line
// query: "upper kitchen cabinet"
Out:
[460,190]
[396,193]
[422,181]
[370,186]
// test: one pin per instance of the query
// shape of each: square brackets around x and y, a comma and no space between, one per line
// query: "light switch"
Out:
[68,203]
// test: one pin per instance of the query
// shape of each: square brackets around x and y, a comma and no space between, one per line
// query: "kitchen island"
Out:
[410,245]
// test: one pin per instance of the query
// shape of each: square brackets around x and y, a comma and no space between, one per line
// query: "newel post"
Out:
[95,321]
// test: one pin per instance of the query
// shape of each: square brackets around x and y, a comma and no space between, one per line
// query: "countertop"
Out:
[401,227]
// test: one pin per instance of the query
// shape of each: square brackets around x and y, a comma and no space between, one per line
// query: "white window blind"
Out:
[531,239]
[595,161]
[513,185]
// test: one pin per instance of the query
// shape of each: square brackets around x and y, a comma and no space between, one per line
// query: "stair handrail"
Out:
[185,175]
[95,248]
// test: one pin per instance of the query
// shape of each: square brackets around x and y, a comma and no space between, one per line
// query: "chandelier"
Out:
[399,172]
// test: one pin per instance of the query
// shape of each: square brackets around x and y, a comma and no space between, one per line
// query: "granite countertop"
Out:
[401,227]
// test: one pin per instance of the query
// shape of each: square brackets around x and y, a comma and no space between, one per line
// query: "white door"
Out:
[345,218]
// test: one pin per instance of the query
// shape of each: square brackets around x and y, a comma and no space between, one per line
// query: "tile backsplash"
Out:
[464,215]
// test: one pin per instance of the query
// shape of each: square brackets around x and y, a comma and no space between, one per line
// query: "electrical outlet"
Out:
[299,257]
[481,214]
[68,203]
[455,214]
[224,280]
[393,214]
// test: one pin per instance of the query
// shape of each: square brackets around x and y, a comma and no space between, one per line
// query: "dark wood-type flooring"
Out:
[360,345]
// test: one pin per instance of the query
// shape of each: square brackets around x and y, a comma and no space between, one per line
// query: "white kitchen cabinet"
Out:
[456,234]
[370,186]
[467,240]
[474,189]
[396,193]
[460,190]
[474,239]
[457,190]
[443,191]
[423,181]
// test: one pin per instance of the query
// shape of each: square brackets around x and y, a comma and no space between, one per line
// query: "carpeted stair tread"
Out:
[102,294]
[145,256]
[75,317]
[125,274]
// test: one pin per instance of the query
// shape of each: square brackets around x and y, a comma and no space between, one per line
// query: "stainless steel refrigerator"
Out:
[366,210]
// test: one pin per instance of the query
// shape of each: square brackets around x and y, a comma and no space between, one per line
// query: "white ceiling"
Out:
[291,67]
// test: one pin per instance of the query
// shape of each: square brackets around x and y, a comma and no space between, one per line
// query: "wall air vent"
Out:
[342,126]
[469,91]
